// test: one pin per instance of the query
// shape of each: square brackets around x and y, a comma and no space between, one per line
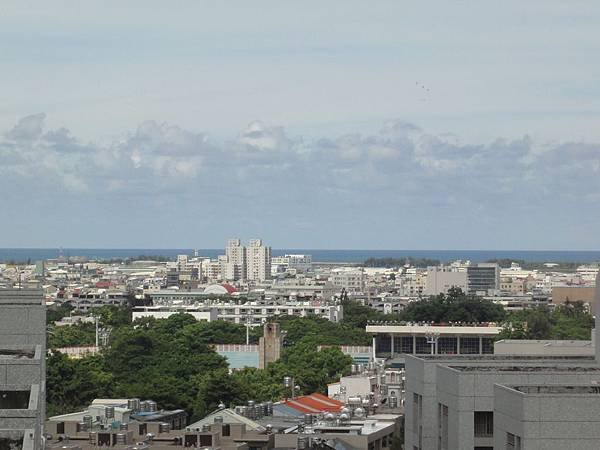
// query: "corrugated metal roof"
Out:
[314,403]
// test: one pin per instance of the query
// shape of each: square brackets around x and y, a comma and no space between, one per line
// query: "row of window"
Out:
[445,345]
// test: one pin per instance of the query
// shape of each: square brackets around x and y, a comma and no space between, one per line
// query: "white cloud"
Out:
[400,174]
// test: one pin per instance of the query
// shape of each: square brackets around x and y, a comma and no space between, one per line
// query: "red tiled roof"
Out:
[229,288]
[314,403]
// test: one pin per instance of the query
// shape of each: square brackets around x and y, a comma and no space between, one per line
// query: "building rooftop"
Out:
[513,368]
[557,390]
[500,358]
[441,329]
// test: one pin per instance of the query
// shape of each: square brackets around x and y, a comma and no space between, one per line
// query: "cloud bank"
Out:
[399,188]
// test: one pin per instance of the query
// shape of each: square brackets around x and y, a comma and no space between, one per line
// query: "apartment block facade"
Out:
[22,368]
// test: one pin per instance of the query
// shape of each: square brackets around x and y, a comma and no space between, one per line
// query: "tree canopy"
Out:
[399,262]
[456,306]
[568,321]
[173,362]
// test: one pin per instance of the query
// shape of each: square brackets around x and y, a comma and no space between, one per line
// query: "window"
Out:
[513,442]
[469,345]
[483,423]
[205,440]
[418,417]
[422,347]
[442,427]
[406,344]
[487,346]
[384,343]
[447,345]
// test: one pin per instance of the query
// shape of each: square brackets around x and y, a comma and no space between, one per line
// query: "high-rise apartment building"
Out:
[235,267]
[258,261]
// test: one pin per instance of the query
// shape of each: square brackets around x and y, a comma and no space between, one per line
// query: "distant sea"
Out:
[339,256]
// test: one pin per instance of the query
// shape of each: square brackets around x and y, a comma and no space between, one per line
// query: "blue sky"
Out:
[382,125]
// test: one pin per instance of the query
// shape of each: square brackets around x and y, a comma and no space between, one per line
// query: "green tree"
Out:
[72,335]
[455,306]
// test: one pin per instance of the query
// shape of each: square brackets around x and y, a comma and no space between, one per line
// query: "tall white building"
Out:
[235,267]
[258,261]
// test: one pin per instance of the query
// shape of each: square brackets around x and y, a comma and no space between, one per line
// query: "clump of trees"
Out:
[173,362]
[399,262]
[568,321]
[455,306]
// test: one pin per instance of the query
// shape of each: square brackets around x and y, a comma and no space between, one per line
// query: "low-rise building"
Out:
[255,313]
[397,339]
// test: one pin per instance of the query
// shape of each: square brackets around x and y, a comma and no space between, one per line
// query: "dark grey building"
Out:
[483,277]
[22,368]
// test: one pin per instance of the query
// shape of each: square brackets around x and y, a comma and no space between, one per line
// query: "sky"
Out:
[341,125]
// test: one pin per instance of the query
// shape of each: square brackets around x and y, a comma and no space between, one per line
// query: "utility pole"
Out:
[97,333]
[248,318]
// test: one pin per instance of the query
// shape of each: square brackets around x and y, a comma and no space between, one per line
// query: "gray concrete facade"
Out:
[464,385]
[542,417]
[504,401]
[22,366]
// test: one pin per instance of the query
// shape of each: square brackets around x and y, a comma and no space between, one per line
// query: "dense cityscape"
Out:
[267,225]
[287,352]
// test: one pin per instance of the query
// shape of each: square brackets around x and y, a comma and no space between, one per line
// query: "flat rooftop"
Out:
[513,368]
[422,329]
[11,296]
[501,358]
[567,390]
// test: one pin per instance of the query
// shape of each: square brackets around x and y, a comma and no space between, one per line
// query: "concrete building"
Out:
[450,401]
[543,416]
[258,261]
[86,299]
[388,303]
[235,265]
[269,345]
[483,278]
[106,413]
[544,347]
[379,384]
[349,279]
[22,368]
[87,433]
[291,263]
[399,339]
[163,312]
[440,279]
[585,294]
[548,402]
[255,313]
[312,422]
[471,278]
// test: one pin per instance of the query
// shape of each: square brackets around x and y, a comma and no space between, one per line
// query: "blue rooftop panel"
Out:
[239,360]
